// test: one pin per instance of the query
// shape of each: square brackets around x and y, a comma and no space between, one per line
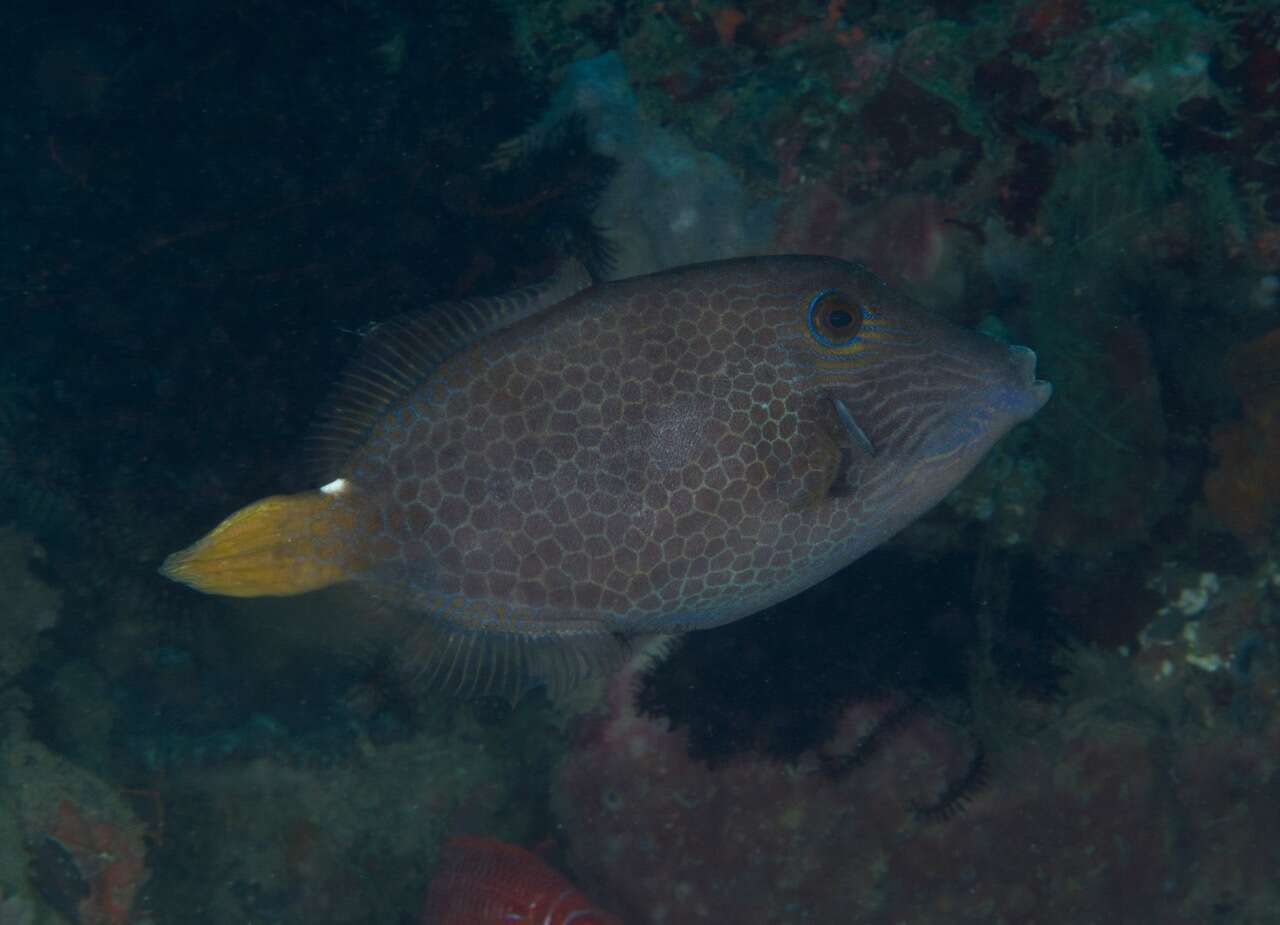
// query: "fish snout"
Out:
[1021,394]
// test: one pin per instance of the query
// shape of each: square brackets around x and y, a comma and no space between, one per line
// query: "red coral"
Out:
[905,238]
[1266,248]
[727,20]
[1087,823]
[1041,24]
[1242,490]
[110,859]
[908,239]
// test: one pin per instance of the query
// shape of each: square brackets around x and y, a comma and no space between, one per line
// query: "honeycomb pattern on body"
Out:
[654,454]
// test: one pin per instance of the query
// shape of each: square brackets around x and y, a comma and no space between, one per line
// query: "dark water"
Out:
[1056,698]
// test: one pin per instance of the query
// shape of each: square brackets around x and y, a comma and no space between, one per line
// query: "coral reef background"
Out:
[1074,717]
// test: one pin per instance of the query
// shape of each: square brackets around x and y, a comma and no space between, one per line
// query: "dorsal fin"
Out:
[399,354]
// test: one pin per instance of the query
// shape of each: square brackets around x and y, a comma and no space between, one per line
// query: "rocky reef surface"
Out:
[1072,718]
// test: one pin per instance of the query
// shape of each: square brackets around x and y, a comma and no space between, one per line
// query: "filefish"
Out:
[528,482]
[481,881]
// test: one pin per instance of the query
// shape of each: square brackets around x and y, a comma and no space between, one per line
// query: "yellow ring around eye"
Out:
[835,318]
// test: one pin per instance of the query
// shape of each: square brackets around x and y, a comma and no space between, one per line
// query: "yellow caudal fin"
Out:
[286,544]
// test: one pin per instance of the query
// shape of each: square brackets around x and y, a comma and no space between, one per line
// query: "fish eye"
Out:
[835,318]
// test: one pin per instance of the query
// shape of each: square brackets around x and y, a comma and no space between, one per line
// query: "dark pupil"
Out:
[839,318]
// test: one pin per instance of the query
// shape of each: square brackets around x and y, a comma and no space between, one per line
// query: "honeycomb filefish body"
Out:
[529,478]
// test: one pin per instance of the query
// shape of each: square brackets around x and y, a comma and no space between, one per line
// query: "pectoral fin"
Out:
[857,437]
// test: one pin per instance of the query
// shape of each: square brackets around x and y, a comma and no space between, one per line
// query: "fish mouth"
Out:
[1024,361]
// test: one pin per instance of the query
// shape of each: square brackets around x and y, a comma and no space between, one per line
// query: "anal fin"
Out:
[463,661]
